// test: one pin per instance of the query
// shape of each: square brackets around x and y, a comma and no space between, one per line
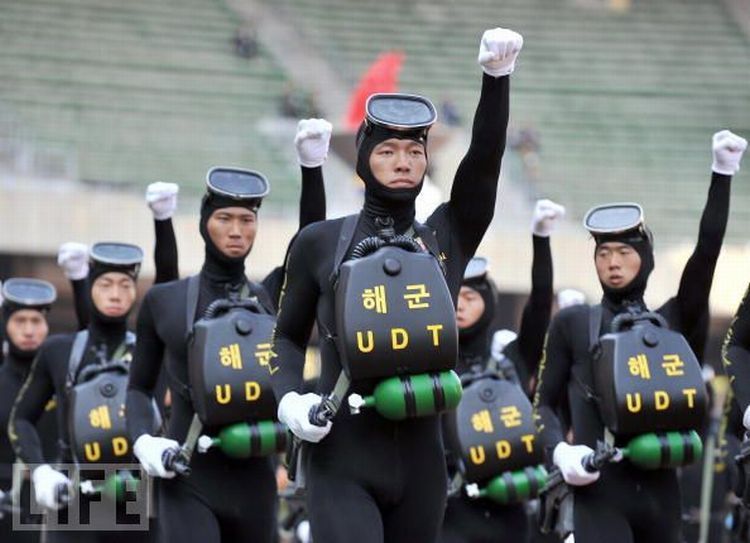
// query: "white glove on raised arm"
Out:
[312,141]
[546,215]
[728,149]
[162,199]
[73,258]
[46,482]
[149,451]
[294,411]
[569,458]
[498,50]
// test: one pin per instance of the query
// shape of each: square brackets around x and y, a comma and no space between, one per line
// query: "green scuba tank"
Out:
[114,487]
[398,398]
[512,486]
[245,440]
[664,449]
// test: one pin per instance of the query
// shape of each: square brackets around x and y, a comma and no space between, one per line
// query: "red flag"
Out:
[381,76]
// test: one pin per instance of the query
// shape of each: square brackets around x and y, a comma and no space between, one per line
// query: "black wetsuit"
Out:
[372,479]
[46,378]
[626,504]
[481,520]
[223,499]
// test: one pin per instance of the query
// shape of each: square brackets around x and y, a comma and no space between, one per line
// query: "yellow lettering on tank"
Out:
[477,455]
[223,394]
[661,400]
[633,402]
[435,329]
[92,451]
[503,449]
[528,440]
[120,446]
[252,391]
[399,338]
[370,342]
[690,395]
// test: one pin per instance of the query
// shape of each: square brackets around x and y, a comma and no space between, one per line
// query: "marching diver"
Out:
[631,382]
[478,519]
[73,257]
[383,288]
[26,303]
[224,498]
[86,371]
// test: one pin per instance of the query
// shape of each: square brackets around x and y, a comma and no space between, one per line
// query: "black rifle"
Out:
[556,498]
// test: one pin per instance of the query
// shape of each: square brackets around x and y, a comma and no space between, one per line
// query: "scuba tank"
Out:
[114,487]
[410,396]
[243,440]
[664,449]
[512,486]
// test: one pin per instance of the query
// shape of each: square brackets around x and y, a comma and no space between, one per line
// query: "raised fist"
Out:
[498,51]
[546,214]
[73,258]
[312,141]
[162,199]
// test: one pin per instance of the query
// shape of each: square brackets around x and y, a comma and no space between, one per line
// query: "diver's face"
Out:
[398,163]
[232,230]
[617,264]
[113,294]
[27,329]
[470,308]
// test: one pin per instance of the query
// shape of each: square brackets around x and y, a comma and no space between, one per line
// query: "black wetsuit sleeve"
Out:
[312,208]
[29,406]
[474,189]
[81,302]
[736,353]
[144,373]
[296,317]
[536,312]
[695,283]
[165,252]
[312,200]
[554,373]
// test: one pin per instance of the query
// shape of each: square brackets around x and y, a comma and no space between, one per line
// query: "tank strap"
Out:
[510,485]
[410,402]
[666,453]
[687,447]
[531,475]
[437,392]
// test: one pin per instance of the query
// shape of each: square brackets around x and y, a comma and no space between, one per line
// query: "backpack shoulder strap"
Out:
[595,323]
[348,227]
[76,355]
[426,234]
[193,291]
[264,299]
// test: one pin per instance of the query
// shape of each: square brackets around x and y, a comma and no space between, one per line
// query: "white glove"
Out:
[570,296]
[312,141]
[73,258]
[746,419]
[569,459]
[570,539]
[546,214]
[498,51]
[162,199]
[727,149]
[149,450]
[46,481]
[500,340]
[294,411]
